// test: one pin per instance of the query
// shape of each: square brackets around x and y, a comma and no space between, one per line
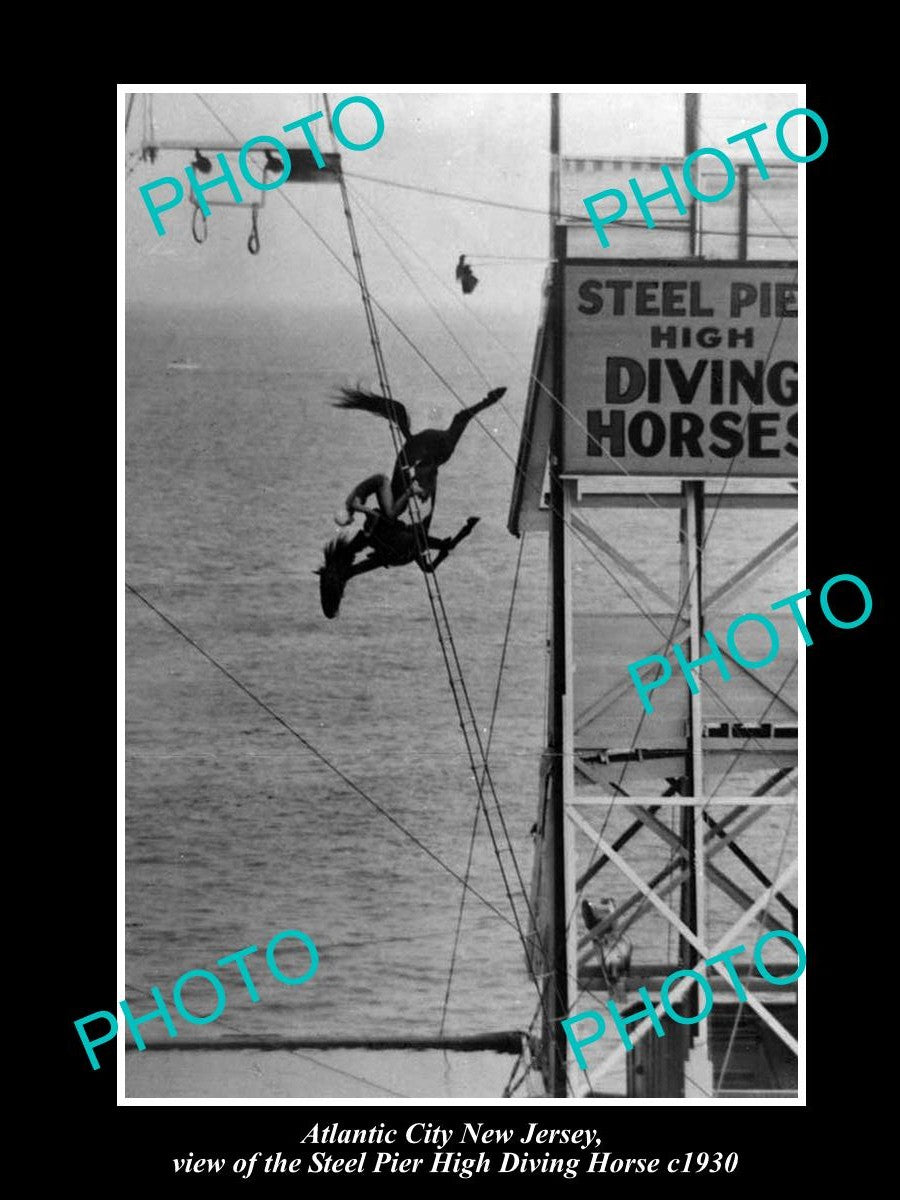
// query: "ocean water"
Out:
[235,464]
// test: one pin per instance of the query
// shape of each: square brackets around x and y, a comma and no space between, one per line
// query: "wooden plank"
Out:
[660,970]
[683,801]
[506,1042]
[786,1094]
[653,974]
[567,898]
[752,500]
[695,887]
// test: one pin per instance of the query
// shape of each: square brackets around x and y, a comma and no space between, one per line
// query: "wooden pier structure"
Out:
[679,826]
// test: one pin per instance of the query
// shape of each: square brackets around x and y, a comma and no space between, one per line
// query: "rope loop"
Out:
[253,239]
[199,237]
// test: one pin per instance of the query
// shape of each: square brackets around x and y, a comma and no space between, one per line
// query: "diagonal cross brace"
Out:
[716,876]
[731,889]
[673,875]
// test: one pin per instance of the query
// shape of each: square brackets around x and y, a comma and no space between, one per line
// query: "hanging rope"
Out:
[199,234]
[517,1078]
[253,239]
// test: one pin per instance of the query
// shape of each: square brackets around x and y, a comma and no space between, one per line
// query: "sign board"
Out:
[680,368]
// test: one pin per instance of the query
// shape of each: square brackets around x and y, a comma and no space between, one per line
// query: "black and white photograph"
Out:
[465,612]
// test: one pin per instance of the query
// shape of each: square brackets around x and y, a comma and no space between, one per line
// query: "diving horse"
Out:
[394,542]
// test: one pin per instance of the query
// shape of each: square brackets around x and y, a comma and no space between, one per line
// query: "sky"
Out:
[490,145]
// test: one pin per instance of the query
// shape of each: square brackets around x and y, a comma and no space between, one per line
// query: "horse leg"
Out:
[461,420]
[445,545]
[463,533]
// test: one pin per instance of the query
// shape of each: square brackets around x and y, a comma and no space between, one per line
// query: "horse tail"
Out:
[379,406]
